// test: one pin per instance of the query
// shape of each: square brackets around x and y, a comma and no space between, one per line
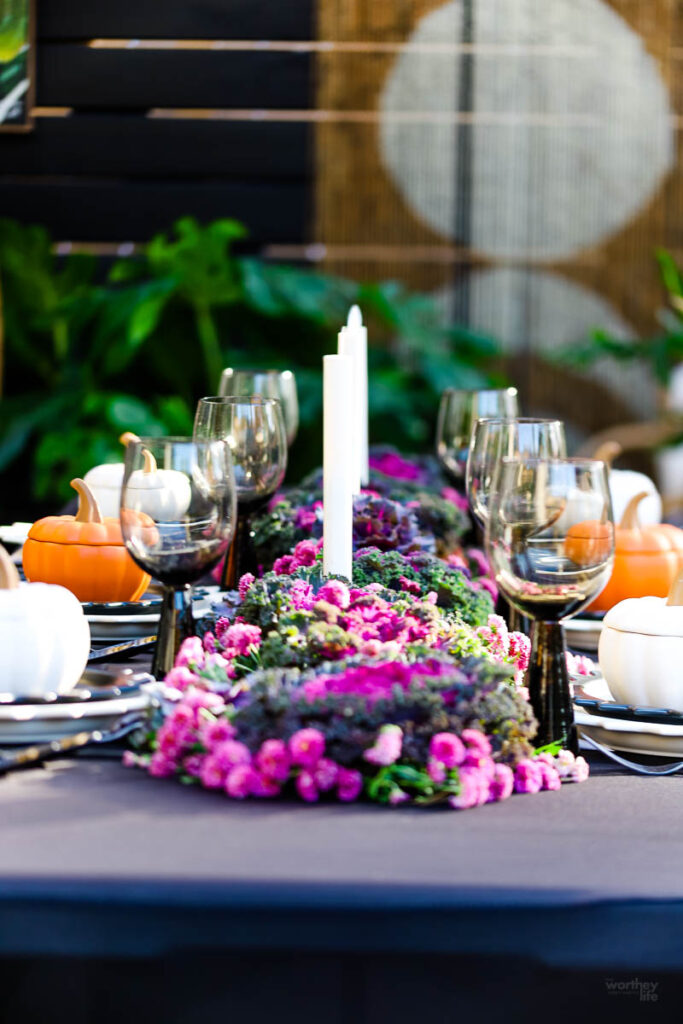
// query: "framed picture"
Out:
[17,63]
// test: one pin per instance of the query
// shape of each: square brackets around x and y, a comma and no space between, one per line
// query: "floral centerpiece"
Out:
[402,687]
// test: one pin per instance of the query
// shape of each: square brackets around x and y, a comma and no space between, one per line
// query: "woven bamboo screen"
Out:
[520,158]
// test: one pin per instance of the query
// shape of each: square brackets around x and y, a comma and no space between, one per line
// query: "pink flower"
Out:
[285,565]
[212,773]
[273,760]
[306,747]
[335,592]
[447,748]
[474,790]
[528,776]
[265,786]
[387,747]
[181,678]
[398,796]
[410,586]
[306,552]
[193,765]
[244,584]
[306,517]
[161,766]
[349,785]
[191,653]
[213,733]
[306,787]
[564,762]
[502,783]
[242,781]
[231,753]
[238,639]
[459,500]
[436,771]
[392,464]
[325,774]
[129,759]
[476,740]
[580,771]
[550,776]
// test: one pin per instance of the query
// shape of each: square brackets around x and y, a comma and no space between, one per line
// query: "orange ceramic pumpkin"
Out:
[589,542]
[647,559]
[84,553]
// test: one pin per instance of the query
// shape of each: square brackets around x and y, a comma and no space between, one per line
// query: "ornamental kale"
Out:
[422,574]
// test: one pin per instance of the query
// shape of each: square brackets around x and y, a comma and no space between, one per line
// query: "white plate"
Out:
[652,738]
[41,723]
[583,634]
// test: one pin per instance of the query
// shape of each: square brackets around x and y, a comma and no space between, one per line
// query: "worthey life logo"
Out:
[646,991]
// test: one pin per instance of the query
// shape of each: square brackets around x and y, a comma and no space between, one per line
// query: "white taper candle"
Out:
[337,465]
[353,341]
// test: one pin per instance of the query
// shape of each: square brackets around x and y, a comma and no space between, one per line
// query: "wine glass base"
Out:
[175,625]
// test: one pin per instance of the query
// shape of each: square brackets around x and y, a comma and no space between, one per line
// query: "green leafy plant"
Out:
[89,354]
[660,353]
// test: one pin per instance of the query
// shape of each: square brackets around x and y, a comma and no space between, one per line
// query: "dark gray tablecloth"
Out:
[98,859]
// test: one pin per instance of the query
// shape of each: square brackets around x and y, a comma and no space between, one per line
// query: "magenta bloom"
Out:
[264,786]
[306,787]
[307,516]
[476,740]
[285,565]
[238,639]
[181,678]
[349,785]
[231,753]
[244,584]
[550,776]
[191,653]
[212,773]
[447,748]
[474,790]
[459,500]
[335,592]
[392,464]
[325,774]
[398,796]
[193,765]
[436,771]
[387,747]
[580,771]
[410,586]
[242,781]
[129,759]
[502,783]
[306,552]
[273,760]
[161,766]
[214,733]
[528,776]
[306,747]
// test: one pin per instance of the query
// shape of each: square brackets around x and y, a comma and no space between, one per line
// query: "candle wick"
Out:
[355,317]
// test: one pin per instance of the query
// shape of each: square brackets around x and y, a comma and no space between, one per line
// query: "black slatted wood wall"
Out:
[148,111]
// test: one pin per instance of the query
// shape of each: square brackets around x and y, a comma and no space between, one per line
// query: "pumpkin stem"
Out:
[630,520]
[88,509]
[150,461]
[128,438]
[676,592]
[9,577]
[607,452]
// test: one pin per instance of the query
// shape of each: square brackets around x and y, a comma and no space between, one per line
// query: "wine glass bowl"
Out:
[550,542]
[492,439]
[279,384]
[177,521]
[254,429]
[459,410]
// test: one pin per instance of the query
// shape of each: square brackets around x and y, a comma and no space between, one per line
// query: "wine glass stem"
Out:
[175,625]
[548,683]
[239,558]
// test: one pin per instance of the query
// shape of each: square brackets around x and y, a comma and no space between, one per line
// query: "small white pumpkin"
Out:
[163,494]
[641,650]
[106,479]
[44,635]
[625,483]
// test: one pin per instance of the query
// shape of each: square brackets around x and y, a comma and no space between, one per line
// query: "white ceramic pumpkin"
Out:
[44,636]
[641,650]
[163,494]
[105,482]
[624,484]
